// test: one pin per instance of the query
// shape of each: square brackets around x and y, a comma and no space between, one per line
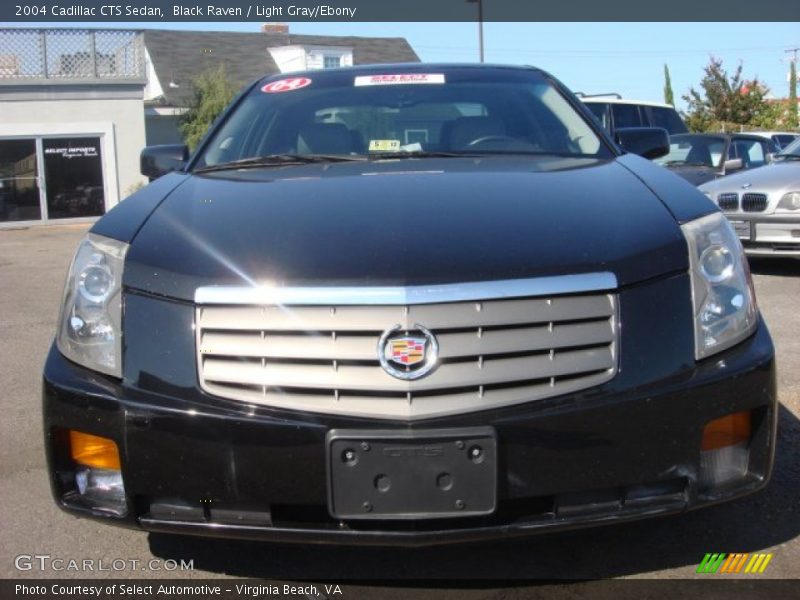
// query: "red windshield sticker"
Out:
[399,79]
[286,85]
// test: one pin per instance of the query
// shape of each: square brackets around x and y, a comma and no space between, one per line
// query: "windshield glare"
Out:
[693,150]
[470,115]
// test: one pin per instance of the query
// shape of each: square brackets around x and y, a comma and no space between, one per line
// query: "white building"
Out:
[77,106]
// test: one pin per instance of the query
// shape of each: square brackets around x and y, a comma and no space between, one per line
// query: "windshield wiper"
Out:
[277,160]
[787,157]
[674,163]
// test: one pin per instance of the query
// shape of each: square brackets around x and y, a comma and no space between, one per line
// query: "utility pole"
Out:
[480,25]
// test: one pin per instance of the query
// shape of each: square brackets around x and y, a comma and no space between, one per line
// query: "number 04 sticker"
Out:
[286,85]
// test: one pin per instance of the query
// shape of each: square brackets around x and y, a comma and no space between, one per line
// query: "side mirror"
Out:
[649,142]
[156,161]
[732,164]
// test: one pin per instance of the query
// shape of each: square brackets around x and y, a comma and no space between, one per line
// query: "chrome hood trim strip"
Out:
[408,295]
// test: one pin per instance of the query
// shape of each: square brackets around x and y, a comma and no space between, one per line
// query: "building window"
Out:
[331,62]
[44,178]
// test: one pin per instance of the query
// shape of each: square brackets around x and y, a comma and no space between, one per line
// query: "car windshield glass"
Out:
[438,114]
[783,140]
[693,150]
[791,151]
[666,118]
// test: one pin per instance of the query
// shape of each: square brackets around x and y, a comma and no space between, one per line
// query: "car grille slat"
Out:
[728,202]
[373,378]
[397,406]
[378,318]
[754,202]
[344,346]
[492,353]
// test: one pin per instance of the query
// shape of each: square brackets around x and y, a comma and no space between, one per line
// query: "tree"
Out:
[212,93]
[792,118]
[669,97]
[724,99]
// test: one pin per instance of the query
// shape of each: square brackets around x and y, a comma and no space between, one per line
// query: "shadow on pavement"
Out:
[765,519]
[774,266]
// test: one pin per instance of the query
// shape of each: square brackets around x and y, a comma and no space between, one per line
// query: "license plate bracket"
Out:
[426,474]
[742,229]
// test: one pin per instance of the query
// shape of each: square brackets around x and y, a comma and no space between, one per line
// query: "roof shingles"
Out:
[179,57]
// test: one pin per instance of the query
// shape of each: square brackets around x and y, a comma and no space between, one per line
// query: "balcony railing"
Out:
[30,56]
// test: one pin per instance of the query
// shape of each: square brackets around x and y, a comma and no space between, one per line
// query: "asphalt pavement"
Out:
[33,265]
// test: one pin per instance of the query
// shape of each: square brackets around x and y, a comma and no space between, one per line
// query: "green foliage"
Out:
[669,97]
[212,93]
[724,98]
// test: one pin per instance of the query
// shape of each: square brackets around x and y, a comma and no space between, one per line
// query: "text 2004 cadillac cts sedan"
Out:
[407,305]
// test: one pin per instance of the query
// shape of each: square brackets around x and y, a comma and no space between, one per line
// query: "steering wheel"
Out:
[492,138]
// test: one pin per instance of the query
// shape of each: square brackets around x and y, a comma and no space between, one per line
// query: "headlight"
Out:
[90,326]
[722,291]
[790,201]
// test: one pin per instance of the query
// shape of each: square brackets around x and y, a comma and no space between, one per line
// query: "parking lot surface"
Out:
[33,265]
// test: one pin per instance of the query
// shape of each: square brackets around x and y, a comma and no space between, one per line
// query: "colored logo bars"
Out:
[407,351]
[734,563]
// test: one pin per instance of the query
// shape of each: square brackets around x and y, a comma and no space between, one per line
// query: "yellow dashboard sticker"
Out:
[384,145]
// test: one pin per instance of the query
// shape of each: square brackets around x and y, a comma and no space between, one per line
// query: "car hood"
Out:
[775,177]
[694,174]
[405,222]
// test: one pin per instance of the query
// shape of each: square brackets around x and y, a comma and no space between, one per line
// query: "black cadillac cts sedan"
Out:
[407,304]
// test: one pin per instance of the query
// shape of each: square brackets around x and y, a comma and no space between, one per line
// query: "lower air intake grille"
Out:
[325,358]
[754,202]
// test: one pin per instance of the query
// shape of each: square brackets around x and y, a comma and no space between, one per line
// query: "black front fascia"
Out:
[644,426]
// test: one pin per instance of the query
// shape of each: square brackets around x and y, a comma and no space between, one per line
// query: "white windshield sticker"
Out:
[399,79]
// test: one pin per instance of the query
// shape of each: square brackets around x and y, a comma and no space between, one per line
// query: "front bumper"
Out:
[607,455]
[763,234]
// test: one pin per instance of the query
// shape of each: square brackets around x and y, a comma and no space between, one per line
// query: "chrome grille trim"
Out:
[728,201]
[407,295]
[322,358]
[754,202]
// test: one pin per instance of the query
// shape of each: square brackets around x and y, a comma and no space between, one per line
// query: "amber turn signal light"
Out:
[727,431]
[93,450]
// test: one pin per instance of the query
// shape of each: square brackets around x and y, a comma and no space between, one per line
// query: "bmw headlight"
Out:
[90,329]
[722,290]
[790,201]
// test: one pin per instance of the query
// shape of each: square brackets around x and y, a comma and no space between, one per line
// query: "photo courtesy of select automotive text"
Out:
[399,299]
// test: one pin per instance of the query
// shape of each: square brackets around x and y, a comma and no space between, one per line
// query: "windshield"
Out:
[694,150]
[792,150]
[466,112]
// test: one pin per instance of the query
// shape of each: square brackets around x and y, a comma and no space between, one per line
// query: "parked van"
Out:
[615,112]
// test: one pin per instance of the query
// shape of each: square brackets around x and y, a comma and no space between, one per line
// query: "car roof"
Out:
[721,134]
[794,133]
[388,68]
[613,100]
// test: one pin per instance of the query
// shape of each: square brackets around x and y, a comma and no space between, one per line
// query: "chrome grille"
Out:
[728,202]
[754,202]
[492,353]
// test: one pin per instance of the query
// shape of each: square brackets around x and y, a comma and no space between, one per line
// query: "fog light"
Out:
[727,431]
[724,454]
[98,477]
[93,451]
[102,489]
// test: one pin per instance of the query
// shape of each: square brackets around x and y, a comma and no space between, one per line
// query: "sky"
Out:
[627,58]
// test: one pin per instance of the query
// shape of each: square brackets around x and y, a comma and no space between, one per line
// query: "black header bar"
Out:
[264,11]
